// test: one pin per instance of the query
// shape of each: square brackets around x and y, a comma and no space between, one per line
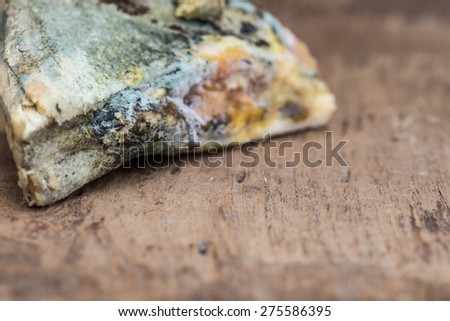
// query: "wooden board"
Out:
[379,229]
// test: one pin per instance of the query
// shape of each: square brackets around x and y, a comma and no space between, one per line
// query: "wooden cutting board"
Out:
[378,229]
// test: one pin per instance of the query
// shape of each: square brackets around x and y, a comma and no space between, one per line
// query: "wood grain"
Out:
[379,229]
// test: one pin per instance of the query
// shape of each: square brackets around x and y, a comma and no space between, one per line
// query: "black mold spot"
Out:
[176,27]
[103,122]
[173,72]
[262,43]
[248,28]
[128,6]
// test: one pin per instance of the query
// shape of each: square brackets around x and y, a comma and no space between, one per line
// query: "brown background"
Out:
[379,230]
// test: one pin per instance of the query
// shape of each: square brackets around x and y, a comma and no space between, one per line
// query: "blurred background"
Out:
[379,229]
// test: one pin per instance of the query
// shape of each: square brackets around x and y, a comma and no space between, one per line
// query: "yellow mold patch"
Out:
[132,76]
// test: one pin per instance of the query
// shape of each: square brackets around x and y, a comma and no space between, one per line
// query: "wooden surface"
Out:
[378,230]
